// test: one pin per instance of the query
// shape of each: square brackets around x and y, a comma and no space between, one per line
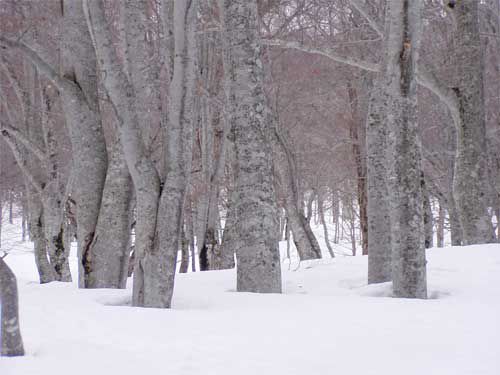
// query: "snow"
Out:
[328,321]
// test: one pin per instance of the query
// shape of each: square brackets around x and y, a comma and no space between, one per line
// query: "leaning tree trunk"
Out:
[407,229]
[11,340]
[258,268]
[286,165]
[471,187]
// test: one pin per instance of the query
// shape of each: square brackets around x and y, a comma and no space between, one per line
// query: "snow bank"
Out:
[327,322]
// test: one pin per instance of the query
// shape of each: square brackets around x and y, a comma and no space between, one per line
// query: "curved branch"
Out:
[364,65]
[61,83]
[445,94]
[25,141]
[21,160]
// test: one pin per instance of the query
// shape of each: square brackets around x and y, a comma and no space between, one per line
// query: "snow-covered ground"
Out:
[328,321]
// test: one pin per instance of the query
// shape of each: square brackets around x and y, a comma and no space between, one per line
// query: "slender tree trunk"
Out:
[286,166]
[378,211]
[323,222]
[428,217]
[185,252]
[440,225]
[455,225]
[259,268]
[46,273]
[11,340]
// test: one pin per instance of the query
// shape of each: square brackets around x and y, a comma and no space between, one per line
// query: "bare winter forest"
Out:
[319,149]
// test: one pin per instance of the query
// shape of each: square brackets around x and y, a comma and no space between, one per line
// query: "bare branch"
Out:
[356,4]
[61,83]
[21,160]
[25,141]
[332,55]
[445,94]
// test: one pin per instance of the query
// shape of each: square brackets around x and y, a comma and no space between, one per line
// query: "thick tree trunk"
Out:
[259,268]
[407,222]
[109,250]
[471,186]
[81,107]
[11,340]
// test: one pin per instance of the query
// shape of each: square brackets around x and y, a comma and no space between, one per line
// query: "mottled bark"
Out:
[378,212]
[109,250]
[471,185]
[11,340]
[159,218]
[258,258]
[144,175]
[407,229]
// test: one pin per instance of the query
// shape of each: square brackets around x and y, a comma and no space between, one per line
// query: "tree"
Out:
[258,261]
[471,185]
[11,340]
[406,197]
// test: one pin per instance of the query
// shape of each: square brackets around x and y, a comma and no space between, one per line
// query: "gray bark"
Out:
[471,185]
[46,273]
[109,251]
[378,211]
[142,170]
[11,340]
[286,166]
[407,231]
[83,118]
[159,219]
[258,268]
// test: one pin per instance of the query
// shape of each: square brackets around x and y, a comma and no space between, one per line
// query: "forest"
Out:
[328,160]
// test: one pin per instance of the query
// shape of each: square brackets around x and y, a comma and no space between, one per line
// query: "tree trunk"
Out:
[378,210]
[407,229]
[185,252]
[259,268]
[440,225]
[286,166]
[12,342]
[471,185]
[428,217]
[81,107]
[109,250]
[46,273]
[323,222]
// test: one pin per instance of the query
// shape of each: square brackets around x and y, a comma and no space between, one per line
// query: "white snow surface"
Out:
[327,321]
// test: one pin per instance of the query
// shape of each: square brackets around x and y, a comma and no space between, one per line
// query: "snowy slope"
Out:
[327,322]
